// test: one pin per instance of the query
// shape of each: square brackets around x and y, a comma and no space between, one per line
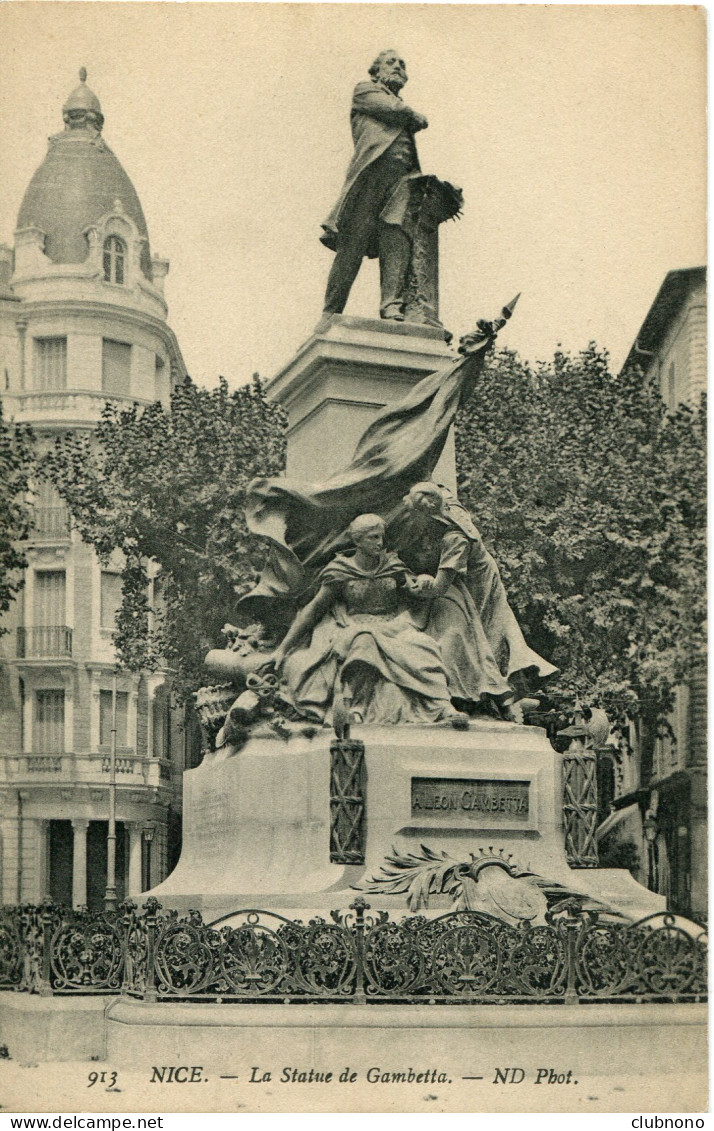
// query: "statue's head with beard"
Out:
[390,69]
[425,498]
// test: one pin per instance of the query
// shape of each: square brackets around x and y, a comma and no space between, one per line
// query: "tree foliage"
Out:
[16,464]
[592,496]
[589,491]
[168,486]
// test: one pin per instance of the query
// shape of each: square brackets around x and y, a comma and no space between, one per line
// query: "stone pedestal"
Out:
[341,377]
[256,826]
[257,822]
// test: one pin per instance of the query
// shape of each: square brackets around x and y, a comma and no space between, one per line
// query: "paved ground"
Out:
[62,1087]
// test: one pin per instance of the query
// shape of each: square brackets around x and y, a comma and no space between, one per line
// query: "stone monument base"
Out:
[257,821]
[341,377]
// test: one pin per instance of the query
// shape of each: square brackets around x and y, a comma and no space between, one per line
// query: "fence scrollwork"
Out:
[357,955]
[11,947]
[87,952]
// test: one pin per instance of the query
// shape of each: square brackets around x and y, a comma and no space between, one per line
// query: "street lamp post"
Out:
[148,838]
[650,828]
[110,895]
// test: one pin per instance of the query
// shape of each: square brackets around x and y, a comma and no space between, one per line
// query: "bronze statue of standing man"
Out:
[385,155]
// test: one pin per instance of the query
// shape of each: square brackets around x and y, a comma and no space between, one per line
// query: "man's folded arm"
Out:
[382,106]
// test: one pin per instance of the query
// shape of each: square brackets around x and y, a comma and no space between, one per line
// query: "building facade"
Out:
[661,801]
[82,321]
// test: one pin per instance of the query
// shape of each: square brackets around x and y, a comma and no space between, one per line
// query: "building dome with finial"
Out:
[83,102]
[80,181]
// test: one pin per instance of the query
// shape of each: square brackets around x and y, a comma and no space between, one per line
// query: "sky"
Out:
[576,132]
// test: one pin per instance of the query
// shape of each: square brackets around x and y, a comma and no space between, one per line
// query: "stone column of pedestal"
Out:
[79,861]
[135,834]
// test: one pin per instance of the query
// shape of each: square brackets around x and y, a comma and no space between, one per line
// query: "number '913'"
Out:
[107,1077]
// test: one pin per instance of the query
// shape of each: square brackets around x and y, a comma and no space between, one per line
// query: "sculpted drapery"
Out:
[305,523]
[483,648]
[366,645]
[467,615]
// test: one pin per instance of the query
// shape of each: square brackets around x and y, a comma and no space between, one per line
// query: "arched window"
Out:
[114,257]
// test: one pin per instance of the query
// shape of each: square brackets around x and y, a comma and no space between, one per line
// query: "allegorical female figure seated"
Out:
[464,605]
[355,638]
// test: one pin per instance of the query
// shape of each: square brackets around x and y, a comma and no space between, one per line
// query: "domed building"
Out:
[94,187]
[82,320]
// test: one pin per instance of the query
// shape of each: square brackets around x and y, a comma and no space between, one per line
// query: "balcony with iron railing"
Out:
[50,524]
[43,642]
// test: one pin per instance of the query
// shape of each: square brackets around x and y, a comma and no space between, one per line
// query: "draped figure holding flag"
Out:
[450,590]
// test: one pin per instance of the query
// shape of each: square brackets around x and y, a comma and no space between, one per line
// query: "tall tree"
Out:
[167,485]
[16,464]
[592,496]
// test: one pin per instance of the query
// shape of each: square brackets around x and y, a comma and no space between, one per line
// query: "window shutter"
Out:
[111,599]
[49,601]
[116,367]
[49,722]
[50,363]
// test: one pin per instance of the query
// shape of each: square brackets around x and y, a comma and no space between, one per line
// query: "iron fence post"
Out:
[572,927]
[151,906]
[359,907]
[45,972]
[124,922]
[23,933]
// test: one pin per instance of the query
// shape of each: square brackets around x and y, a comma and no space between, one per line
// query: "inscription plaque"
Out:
[439,797]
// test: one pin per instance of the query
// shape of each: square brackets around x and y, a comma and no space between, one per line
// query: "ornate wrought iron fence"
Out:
[11,947]
[356,956]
